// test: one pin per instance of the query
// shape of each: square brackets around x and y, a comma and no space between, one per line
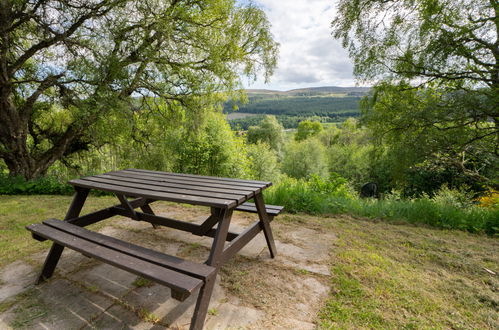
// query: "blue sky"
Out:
[309,56]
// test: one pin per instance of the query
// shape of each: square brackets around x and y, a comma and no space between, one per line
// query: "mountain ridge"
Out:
[312,91]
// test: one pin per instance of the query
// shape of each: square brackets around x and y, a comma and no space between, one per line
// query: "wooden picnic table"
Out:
[137,189]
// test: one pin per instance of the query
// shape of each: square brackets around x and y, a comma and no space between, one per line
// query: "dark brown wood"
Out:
[220,237]
[174,183]
[202,303]
[264,219]
[241,240]
[171,223]
[100,215]
[93,217]
[55,252]
[215,260]
[222,195]
[171,262]
[239,198]
[216,178]
[209,223]
[156,195]
[185,182]
[146,208]
[185,284]
[272,210]
[212,180]
[127,206]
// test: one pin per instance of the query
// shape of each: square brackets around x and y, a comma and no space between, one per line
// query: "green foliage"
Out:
[442,40]
[349,151]
[308,128]
[263,162]
[285,121]
[323,106]
[435,106]
[17,185]
[299,195]
[305,158]
[434,138]
[175,54]
[333,196]
[214,150]
[269,131]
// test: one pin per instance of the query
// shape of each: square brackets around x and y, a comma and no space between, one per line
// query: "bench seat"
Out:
[183,277]
[272,210]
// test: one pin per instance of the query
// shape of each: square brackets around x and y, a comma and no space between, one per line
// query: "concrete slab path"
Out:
[252,291]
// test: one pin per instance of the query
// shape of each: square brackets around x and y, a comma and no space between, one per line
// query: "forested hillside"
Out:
[327,104]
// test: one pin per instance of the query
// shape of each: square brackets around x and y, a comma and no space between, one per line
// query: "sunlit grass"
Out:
[400,277]
[16,212]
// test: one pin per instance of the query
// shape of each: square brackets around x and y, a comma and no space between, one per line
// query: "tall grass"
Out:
[303,196]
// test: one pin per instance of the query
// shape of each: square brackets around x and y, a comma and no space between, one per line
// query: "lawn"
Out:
[16,212]
[383,275]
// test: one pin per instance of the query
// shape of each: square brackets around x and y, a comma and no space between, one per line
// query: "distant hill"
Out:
[311,91]
[304,102]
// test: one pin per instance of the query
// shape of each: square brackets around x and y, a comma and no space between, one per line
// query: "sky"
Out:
[309,56]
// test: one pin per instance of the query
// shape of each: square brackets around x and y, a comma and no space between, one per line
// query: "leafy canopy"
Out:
[68,65]
[435,65]
[446,40]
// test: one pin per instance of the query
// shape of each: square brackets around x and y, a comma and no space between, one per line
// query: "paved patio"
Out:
[252,291]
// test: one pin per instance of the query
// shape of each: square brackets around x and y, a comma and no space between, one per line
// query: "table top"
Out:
[175,187]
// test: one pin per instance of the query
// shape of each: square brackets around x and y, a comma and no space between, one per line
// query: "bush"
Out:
[41,186]
[305,158]
[263,164]
[448,209]
[312,196]
[459,198]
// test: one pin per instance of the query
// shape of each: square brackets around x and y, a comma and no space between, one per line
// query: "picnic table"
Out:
[137,189]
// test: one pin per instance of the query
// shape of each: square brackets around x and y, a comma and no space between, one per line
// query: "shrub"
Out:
[305,158]
[263,164]
[41,186]
[312,196]
[448,209]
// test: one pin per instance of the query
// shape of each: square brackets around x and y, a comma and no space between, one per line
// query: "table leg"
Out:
[146,208]
[215,260]
[55,252]
[211,221]
[264,219]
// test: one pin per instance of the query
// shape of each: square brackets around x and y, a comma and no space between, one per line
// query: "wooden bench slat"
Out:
[215,202]
[272,210]
[183,284]
[201,271]
[215,178]
[186,191]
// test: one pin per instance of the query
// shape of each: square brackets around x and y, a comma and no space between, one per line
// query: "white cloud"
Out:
[309,55]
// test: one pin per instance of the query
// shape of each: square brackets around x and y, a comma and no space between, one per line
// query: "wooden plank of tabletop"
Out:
[214,180]
[109,180]
[138,178]
[201,176]
[180,198]
[189,181]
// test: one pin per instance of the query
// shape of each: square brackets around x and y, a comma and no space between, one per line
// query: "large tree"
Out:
[67,65]
[435,66]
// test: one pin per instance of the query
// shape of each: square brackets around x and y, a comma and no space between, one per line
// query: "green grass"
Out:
[383,275]
[16,212]
[401,277]
[28,307]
